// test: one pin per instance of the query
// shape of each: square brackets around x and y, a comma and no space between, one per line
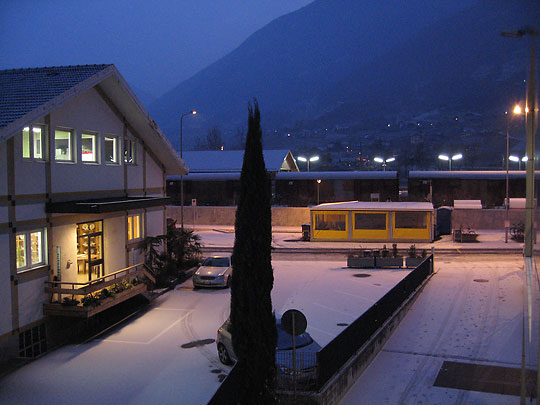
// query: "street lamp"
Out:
[513,158]
[192,112]
[516,111]
[383,161]
[318,184]
[449,159]
[531,112]
[311,159]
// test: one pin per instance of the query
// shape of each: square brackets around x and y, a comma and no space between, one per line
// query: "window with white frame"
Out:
[89,148]
[130,147]
[135,230]
[112,143]
[63,145]
[30,249]
[33,142]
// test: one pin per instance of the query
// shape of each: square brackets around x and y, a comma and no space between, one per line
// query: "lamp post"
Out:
[513,158]
[318,184]
[311,159]
[517,110]
[192,112]
[449,159]
[383,161]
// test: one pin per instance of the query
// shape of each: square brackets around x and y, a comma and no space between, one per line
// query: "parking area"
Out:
[167,355]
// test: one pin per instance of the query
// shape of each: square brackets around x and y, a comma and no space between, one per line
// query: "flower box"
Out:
[360,262]
[389,261]
[413,262]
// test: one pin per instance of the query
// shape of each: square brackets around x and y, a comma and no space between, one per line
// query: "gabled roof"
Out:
[230,161]
[27,95]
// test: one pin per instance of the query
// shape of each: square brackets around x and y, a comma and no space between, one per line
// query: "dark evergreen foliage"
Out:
[253,322]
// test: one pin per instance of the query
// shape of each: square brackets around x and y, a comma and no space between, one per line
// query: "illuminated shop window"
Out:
[89,144]
[111,149]
[63,145]
[31,249]
[134,227]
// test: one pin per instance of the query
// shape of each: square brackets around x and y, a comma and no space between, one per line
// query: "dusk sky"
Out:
[154,44]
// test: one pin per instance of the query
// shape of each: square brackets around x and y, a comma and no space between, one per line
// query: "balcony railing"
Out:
[59,289]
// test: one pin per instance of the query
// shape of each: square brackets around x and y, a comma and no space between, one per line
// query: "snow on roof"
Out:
[375,206]
[469,174]
[221,161]
[292,176]
[334,175]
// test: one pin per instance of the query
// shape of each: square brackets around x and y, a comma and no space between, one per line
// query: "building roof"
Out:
[230,161]
[294,176]
[27,95]
[374,206]
[470,174]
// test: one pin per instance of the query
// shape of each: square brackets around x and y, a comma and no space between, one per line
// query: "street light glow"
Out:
[513,158]
[517,109]
[390,159]
[314,158]
[378,159]
[302,159]
[457,157]
[444,157]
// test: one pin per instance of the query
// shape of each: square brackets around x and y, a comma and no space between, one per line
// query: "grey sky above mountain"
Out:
[154,44]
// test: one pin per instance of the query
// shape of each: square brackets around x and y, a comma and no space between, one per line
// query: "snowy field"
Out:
[143,361]
[470,311]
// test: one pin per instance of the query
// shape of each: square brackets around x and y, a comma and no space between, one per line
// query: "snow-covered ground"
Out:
[143,362]
[455,318]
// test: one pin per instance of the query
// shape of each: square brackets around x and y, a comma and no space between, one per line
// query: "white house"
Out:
[82,182]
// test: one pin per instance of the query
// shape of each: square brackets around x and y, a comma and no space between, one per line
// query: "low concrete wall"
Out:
[487,218]
[204,215]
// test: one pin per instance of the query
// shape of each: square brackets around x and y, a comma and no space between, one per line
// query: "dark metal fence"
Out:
[335,354]
[306,370]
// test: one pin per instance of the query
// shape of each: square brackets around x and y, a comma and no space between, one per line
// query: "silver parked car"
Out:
[306,354]
[215,271]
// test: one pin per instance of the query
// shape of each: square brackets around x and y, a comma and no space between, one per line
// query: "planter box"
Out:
[413,262]
[389,261]
[78,311]
[360,262]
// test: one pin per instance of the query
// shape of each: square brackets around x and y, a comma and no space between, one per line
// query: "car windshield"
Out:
[216,262]
[284,340]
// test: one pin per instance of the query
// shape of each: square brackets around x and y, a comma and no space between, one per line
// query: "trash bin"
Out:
[306,231]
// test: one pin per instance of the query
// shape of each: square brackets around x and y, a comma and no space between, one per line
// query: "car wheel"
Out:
[223,354]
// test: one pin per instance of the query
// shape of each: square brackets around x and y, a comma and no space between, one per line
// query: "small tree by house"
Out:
[254,331]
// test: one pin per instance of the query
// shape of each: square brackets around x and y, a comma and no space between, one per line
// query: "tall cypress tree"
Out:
[254,331]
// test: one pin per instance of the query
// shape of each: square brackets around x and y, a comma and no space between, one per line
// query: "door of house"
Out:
[90,249]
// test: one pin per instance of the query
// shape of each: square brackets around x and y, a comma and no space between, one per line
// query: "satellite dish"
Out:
[294,322]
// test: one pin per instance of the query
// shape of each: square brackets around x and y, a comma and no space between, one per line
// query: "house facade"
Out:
[82,181]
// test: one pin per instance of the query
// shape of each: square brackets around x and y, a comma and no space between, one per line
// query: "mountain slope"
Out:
[350,60]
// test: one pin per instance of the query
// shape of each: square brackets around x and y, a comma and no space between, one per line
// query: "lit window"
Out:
[33,142]
[63,145]
[129,151]
[30,248]
[89,148]
[134,227]
[111,149]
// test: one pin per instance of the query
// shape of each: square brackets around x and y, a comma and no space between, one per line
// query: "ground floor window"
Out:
[330,222]
[90,249]
[33,342]
[30,249]
[366,220]
[134,227]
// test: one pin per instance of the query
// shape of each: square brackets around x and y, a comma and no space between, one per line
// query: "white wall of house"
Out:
[154,222]
[114,240]
[5,286]
[65,237]
[31,299]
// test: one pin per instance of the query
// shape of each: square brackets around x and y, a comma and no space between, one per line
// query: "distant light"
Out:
[313,159]
[526,109]
[457,157]
[517,109]
[378,159]
[26,129]
[444,157]
[302,159]
[390,159]
[288,134]
[457,118]
[193,112]
[524,159]
[36,130]
[388,125]
[319,181]
[221,147]
[513,158]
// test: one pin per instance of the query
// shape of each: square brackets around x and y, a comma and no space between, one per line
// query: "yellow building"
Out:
[373,221]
